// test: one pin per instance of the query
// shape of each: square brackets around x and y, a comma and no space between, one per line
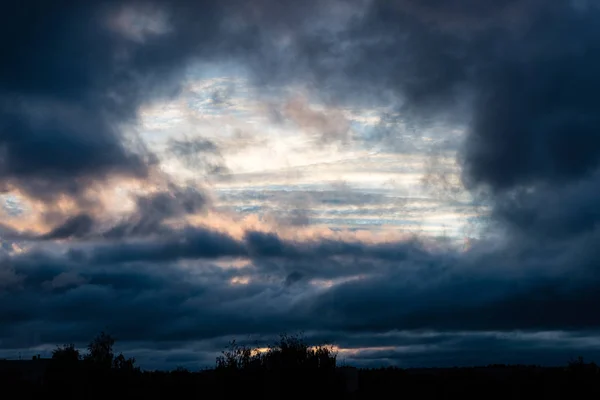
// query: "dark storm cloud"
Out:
[522,71]
[518,75]
[75,72]
[401,285]
[533,81]
[148,218]
[77,226]
[172,290]
[552,211]
[47,154]
[459,302]
[537,116]
[70,80]
[192,243]
[153,210]
[61,96]
[138,301]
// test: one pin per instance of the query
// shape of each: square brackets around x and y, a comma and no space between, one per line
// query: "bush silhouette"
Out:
[288,367]
[66,354]
[238,357]
[289,352]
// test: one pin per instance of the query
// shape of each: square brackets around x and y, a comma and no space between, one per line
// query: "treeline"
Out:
[290,368]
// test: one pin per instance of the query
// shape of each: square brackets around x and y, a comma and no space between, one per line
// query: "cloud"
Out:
[434,350]
[60,121]
[535,121]
[153,211]
[9,278]
[329,126]
[176,290]
[151,214]
[469,15]
[180,286]
[75,77]
[528,90]
[199,154]
[65,279]
[427,68]
[77,226]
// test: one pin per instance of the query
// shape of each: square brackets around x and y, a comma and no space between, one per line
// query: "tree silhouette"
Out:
[64,370]
[66,354]
[290,351]
[100,351]
[124,364]
[237,357]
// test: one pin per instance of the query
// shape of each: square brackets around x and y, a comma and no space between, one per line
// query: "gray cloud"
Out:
[329,126]
[199,154]
[402,287]
[148,218]
[153,210]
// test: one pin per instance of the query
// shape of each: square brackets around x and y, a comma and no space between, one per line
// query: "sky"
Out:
[412,181]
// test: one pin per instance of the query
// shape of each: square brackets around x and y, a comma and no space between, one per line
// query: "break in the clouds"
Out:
[414,181]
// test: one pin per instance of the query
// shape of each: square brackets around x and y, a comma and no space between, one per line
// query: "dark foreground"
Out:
[498,382]
[290,368]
